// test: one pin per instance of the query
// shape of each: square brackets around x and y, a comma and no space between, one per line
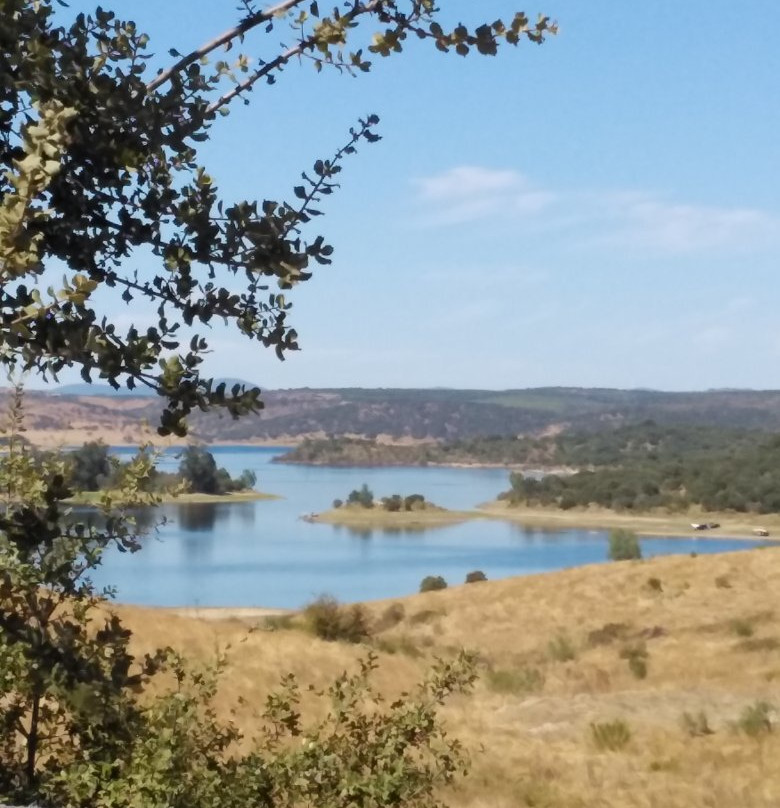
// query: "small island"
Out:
[362,510]
[92,472]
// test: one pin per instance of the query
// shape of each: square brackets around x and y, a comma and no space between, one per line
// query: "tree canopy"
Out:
[99,163]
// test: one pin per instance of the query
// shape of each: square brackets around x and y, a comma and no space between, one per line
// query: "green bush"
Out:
[561,649]
[611,736]
[330,621]
[363,496]
[476,576]
[755,719]
[432,583]
[337,503]
[636,655]
[515,680]
[742,627]
[624,545]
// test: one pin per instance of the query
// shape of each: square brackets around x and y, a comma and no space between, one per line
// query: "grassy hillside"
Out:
[558,654]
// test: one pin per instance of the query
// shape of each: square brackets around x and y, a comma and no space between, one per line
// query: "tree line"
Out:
[648,467]
[92,467]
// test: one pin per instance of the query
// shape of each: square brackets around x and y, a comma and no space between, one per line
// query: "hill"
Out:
[674,660]
[401,415]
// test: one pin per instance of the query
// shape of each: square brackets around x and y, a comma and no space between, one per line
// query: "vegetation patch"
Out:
[696,725]
[610,736]
[756,719]
[561,649]
[432,583]
[515,681]
[329,620]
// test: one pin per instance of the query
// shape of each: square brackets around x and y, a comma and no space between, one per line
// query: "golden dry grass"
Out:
[530,733]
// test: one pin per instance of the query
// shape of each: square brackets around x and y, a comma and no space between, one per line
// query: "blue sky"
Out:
[599,211]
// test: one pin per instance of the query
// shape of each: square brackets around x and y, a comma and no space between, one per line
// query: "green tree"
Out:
[624,545]
[89,467]
[363,496]
[198,469]
[98,162]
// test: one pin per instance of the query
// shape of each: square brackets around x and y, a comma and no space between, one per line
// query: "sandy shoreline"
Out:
[732,525]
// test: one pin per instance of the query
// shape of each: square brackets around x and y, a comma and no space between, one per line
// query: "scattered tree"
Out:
[624,545]
[363,496]
[477,576]
[432,583]
[89,467]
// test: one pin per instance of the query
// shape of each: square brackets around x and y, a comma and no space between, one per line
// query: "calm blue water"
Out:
[262,554]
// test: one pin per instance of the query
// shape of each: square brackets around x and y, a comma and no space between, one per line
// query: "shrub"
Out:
[330,621]
[742,627]
[432,583]
[414,502]
[610,736]
[636,655]
[278,622]
[561,649]
[654,584]
[475,577]
[393,503]
[391,616]
[607,634]
[696,725]
[517,680]
[755,719]
[722,582]
[402,644]
[624,545]
[363,496]
[337,503]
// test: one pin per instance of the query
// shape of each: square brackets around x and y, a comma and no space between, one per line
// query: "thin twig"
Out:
[223,39]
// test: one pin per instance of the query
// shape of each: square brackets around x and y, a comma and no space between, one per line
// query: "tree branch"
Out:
[223,39]
[283,58]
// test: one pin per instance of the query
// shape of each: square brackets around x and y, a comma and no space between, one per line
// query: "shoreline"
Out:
[732,525]
[186,498]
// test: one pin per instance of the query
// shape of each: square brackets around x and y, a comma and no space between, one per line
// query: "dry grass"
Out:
[534,746]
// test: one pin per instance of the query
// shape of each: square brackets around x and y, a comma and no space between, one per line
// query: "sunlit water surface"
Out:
[262,554]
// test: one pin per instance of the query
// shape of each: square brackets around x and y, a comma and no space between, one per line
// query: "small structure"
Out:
[760,531]
[700,526]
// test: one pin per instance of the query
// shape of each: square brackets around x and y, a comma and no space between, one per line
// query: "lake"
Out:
[262,554]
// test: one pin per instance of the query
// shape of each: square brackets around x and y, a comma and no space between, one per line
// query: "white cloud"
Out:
[629,218]
[469,193]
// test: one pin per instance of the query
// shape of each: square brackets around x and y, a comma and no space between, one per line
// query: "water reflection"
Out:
[261,554]
[196,516]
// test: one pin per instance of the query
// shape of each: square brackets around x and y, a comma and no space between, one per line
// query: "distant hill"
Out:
[83,389]
[399,414]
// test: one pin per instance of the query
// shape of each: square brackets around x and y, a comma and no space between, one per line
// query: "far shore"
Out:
[187,498]
[732,525]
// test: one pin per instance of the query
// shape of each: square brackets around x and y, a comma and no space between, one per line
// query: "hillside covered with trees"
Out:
[288,416]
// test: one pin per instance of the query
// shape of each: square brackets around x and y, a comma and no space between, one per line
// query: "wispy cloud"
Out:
[635,219]
[469,193]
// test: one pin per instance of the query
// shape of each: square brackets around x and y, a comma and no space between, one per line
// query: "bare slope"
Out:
[555,656]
